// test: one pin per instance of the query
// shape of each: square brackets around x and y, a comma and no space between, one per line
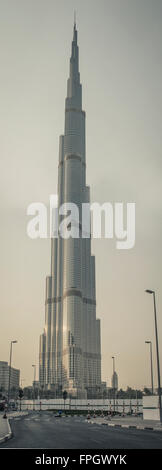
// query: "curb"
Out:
[7,436]
[128,426]
[10,433]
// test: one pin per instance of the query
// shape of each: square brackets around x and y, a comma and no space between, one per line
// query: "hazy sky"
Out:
[120,45]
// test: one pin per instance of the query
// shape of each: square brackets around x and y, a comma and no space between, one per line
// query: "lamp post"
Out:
[73,346]
[149,291]
[22,380]
[34,366]
[9,378]
[152,384]
[113,358]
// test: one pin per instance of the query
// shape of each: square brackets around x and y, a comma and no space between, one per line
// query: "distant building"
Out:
[4,377]
[114,381]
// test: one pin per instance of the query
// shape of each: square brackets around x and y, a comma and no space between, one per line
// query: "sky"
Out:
[120,50]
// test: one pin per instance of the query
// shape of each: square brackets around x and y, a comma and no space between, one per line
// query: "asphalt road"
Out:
[45,431]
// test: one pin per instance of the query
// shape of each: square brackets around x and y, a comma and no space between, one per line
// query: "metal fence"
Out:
[126,406]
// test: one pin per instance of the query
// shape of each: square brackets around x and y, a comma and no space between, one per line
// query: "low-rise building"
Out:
[4,377]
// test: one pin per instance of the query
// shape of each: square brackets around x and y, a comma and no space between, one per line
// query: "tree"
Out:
[131,393]
[21,393]
[28,392]
[64,396]
[147,391]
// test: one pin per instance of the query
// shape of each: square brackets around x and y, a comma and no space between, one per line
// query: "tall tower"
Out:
[70,351]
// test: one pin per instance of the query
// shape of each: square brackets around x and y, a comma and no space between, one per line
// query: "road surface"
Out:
[45,431]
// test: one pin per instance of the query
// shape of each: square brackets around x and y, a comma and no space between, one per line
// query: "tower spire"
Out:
[74,19]
[74,88]
[75,29]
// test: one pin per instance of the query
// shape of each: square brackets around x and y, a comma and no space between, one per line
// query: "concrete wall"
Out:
[151,408]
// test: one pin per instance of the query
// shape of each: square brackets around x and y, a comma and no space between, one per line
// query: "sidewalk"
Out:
[127,422]
[5,429]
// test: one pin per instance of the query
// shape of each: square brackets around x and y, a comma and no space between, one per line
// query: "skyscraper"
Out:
[114,381]
[70,350]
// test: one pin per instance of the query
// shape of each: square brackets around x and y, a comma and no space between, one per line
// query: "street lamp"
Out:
[34,366]
[113,358]
[73,345]
[152,385]
[149,291]
[9,378]
[22,380]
